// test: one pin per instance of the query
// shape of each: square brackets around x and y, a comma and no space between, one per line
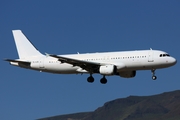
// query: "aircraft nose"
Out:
[173,61]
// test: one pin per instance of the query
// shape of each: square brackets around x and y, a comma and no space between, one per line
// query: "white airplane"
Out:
[124,64]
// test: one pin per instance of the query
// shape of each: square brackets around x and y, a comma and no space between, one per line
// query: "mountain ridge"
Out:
[164,106]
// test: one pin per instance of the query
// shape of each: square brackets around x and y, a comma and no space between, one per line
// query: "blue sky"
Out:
[62,27]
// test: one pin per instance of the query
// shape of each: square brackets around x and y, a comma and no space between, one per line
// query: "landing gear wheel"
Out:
[90,79]
[103,80]
[154,77]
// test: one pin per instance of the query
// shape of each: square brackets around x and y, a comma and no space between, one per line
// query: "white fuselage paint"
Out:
[124,64]
[124,61]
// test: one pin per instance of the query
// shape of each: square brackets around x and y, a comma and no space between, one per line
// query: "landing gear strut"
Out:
[153,74]
[103,80]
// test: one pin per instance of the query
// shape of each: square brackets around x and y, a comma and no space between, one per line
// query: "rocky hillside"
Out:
[165,106]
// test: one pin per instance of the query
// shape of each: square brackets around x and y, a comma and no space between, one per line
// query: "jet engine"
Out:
[107,70]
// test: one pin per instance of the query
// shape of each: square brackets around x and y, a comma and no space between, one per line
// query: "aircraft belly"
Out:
[137,65]
[60,68]
[145,65]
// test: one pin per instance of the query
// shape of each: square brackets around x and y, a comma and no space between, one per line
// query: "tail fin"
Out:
[24,47]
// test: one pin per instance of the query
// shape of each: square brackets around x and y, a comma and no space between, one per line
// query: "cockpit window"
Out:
[163,55]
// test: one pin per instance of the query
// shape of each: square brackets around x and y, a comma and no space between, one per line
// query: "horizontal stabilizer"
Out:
[19,63]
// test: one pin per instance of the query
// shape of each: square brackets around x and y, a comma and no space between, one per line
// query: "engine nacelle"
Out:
[107,70]
[127,74]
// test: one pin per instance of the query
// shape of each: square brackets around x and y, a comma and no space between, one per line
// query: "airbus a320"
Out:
[121,63]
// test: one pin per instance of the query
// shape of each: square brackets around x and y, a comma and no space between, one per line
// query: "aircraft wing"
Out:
[86,65]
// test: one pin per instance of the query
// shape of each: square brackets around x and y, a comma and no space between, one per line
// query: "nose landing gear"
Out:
[153,74]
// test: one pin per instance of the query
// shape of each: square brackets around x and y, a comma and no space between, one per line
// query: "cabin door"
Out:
[150,56]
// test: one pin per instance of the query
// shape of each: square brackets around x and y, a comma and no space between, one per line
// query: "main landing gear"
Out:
[90,79]
[103,80]
[153,74]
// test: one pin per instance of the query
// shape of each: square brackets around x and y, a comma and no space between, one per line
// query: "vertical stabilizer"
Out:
[24,47]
